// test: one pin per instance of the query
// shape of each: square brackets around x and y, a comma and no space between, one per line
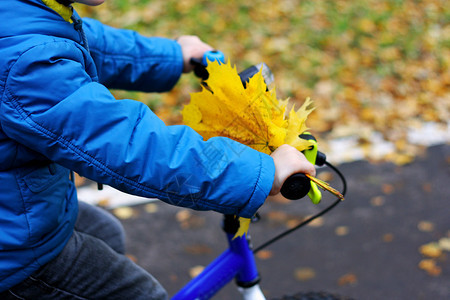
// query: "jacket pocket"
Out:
[45,191]
[44,177]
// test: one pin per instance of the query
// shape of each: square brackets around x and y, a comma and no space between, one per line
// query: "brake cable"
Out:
[305,222]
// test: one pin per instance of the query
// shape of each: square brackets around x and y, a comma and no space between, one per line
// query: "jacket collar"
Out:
[35,17]
[65,11]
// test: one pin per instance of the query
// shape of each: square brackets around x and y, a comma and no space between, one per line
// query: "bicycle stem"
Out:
[236,262]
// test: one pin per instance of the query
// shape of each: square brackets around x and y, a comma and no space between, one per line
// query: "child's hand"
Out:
[192,47]
[289,161]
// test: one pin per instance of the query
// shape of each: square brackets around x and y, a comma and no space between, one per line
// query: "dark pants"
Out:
[91,266]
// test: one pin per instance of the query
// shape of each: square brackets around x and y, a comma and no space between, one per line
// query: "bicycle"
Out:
[238,261]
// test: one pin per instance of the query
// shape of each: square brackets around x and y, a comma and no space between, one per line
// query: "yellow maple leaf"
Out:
[252,116]
[244,224]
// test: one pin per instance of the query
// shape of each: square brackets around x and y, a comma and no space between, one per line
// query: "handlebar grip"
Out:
[200,64]
[213,55]
[296,186]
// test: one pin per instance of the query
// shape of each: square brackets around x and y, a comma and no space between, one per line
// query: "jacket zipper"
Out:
[78,25]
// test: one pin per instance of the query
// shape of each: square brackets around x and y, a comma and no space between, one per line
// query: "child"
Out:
[56,115]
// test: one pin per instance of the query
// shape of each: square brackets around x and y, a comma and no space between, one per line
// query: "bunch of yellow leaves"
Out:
[252,116]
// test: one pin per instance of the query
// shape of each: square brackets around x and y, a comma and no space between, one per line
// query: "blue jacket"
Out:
[57,114]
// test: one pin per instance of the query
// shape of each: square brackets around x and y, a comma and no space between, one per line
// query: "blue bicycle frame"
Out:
[236,262]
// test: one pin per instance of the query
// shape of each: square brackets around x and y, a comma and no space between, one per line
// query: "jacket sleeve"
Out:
[52,106]
[127,60]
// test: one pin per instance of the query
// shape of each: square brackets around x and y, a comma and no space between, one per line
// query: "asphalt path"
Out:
[371,246]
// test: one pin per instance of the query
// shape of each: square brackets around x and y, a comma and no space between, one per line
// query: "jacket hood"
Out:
[22,17]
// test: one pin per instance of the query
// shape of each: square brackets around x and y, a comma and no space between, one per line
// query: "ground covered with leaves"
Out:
[378,71]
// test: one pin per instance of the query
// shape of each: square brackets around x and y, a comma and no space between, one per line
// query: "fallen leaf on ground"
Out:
[388,237]
[183,215]
[264,254]
[293,222]
[124,212]
[195,271]
[341,230]
[316,222]
[431,250]
[377,201]
[427,187]
[347,279]
[425,226]
[429,265]
[387,188]
[187,220]
[104,202]
[151,208]
[304,274]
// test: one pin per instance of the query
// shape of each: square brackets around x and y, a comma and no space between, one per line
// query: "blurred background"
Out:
[377,70]
[378,73]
